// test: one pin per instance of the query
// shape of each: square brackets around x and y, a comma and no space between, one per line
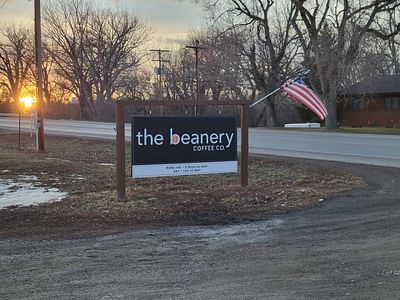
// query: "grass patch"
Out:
[85,169]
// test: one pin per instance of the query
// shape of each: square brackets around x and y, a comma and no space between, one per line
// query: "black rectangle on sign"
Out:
[173,140]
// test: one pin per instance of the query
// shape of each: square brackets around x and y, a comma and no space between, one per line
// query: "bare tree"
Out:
[116,38]
[220,65]
[66,25]
[218,62]
[50,78]
[16,59]
[133,86]
[179,79]
[393,44]
[268,48]
[335,31]
[373,59]
[92,47]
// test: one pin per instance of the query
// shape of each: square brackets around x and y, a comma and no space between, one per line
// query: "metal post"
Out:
[265,97]
[120,150]
[39,71]
[244,157]
[35,123]
[19,126]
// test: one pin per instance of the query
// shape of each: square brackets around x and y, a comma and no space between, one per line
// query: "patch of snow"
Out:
[5,171]
[17,194]
[105,164]
[27,177]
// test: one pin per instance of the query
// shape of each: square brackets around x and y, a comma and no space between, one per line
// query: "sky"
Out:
[170,20]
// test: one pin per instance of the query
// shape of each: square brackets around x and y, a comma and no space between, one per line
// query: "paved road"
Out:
[381,150]
[346,249]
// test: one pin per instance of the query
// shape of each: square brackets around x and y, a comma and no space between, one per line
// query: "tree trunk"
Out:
[331,120]
[267,114]
[271,114]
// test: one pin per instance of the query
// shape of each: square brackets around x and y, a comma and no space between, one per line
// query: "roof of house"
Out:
[382,85]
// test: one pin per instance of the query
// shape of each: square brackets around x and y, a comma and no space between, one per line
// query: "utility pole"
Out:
[160,66]
[196,47]
[39,82]
[160,61]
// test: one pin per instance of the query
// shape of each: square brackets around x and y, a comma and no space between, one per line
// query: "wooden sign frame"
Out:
[120,138]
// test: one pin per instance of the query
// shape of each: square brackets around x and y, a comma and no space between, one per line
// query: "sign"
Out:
[174,146]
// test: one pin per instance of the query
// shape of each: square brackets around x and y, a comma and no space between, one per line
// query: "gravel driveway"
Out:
[349,248]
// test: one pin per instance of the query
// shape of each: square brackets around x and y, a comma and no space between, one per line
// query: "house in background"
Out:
[374,102]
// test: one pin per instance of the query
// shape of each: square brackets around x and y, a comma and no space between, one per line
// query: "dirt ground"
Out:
[85,169]
[347,248]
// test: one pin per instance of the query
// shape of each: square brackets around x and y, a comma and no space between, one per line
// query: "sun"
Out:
[27,102]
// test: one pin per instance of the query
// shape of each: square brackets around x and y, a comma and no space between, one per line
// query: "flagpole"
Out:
[265,97]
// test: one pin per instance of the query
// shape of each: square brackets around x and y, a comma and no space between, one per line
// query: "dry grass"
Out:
[86,170]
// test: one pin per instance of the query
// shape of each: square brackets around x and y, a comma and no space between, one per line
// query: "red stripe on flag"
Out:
[302,95]
[311,93]
[307,97]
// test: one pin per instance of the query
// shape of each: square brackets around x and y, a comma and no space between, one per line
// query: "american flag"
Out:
[303,94]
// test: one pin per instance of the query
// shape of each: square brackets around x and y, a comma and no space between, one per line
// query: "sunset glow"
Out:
[27,102]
